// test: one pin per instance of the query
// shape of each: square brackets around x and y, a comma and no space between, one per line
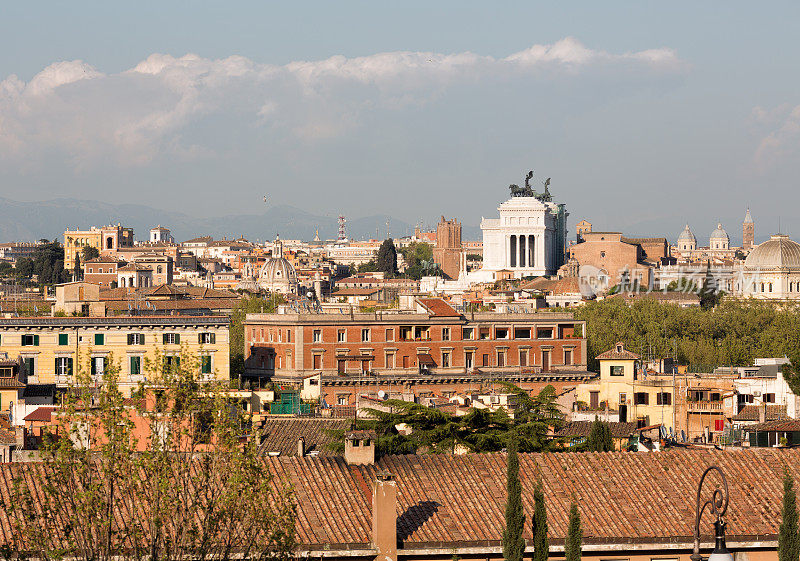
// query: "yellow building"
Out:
[107,238]
[623,387]
[10,386]
[51,349]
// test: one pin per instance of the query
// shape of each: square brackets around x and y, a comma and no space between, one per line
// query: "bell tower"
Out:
[748,231]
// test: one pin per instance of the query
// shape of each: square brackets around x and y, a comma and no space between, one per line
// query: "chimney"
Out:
[301,447]
[359,448]
[384,517]
[762,413]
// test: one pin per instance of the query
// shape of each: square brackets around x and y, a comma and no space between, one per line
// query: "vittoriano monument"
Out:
[527,191]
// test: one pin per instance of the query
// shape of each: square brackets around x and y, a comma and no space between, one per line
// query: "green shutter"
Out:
[135,366]
[63,339]
[130,338]
[35,340]
[94,366]
[164,338]
[99,339]
[214,338]
[205,364]
[177,338]
[69,366]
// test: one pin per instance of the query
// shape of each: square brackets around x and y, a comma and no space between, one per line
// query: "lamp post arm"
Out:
[718,503]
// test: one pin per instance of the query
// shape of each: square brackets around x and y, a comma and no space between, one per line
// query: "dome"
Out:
[778,253]
[687,236]
[720,234]
[278,274]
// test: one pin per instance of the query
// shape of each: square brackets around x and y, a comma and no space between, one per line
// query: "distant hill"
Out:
[21,221]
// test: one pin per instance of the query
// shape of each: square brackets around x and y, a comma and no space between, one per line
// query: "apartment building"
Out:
[434,339]
[108,239]
[52,349]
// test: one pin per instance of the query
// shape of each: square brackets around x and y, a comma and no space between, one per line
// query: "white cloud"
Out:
[140,114]
[783,140]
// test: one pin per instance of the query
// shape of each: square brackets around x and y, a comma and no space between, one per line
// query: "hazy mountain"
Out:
[21,221]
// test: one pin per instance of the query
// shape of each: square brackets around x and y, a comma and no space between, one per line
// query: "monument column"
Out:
[522,252]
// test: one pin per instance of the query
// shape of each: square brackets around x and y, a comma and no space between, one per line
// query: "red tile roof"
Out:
[438,307]
[282,434]
[618,353]
[446,501]
[42,414]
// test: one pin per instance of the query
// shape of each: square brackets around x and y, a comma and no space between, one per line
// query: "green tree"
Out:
[574,542]
[513,540]
[788,537]
[5,268]
[248,305]
[90,252]
[600,439]
[368,267]
[77,272]
[24,268]
[541,545]
[386,260]
[170,477]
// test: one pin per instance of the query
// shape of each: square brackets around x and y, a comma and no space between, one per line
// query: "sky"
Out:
[646,115]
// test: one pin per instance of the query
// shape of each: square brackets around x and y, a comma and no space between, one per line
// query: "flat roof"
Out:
[112,321]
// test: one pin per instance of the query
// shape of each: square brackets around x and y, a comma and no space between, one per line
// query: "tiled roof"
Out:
[751,413]
[583,428]
[781,425]
[39,390]
[282,434]
[618,353]
[43,414]
[448,501]
[355,291]
[438,307]
[165,290]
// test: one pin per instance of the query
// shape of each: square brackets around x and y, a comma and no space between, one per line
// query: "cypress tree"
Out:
[386,260]
[788,538]
[600,439]
[541,546]
[574,542]
[513,541]
[77,272]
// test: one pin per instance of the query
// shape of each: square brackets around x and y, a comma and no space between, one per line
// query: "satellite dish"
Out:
[683,436]
[663,431]
[382,395]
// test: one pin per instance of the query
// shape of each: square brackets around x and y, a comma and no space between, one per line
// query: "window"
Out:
[641,398]
[469,360]
[522,333]
[406,333]
[365,335]
[501,358]
[99,339]
[468,333]
[716,397]
[485,359]
[205,364]
[390,334]
[623,399]
[135,366]
[389,358]
[63,366]
[136,338]
[445,359]
[523,357]
[30,340]
[617,370]
[769,398]
[568,357]
[98,365]
[484,333]
[341,336]
[317,337]
[445,333]
[206,338]
[501,332]
[172,363]
[288,335]
[30,365]
[171,338]
[63,339]
[544,333]
[317,364]
[342,400]
[663,398]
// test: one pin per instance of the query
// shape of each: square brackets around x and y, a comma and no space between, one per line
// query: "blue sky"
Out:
[645,115]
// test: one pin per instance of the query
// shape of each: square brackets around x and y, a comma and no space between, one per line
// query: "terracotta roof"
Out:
[184,304]
[165,290]
[282,435]
[583,428]
[781,425]
[438,307]
[618,353]
[447,501]
[355,291]
[751,413]
[43,414]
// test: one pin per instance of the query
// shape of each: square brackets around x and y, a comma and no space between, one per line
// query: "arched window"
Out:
[762,287]
[109,243]
[770,287]
[158,269]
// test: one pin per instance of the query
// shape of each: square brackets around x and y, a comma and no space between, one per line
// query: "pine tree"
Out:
[788,538]
[600,439]
[77,273]
[513,541]
[386,260]
[574,542]
[541,546]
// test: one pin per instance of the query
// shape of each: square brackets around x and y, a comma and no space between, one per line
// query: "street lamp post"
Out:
[719,505]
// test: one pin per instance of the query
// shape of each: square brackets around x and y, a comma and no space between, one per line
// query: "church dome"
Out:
[687,236]
[720,234]
[778,253]
[278,274]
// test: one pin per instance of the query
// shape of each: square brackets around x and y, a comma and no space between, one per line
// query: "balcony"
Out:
[704,406]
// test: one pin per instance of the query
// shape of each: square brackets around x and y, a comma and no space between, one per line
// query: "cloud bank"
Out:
[130,118]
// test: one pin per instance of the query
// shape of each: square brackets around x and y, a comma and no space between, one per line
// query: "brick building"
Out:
[447,253]
[430,346]
[618,258]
